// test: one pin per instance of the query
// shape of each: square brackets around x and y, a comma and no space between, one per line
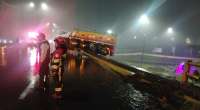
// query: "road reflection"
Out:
[82,67]
[71,64]
[3,60]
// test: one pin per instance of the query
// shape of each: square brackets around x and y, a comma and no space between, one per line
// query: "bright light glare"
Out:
[170,30]
[44,6]
[109,31]
[10,41]
[55,25]
[188,41]
[33,56]
[4,41]
[135,37]
[47,24]
[31,4]
[32,34]
[144,19]
[50,41]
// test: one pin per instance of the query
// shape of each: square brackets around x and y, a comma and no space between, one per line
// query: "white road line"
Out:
[29,88]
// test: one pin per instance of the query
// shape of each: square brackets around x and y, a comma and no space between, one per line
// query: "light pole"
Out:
[189,42]
[170,33]
[144,21]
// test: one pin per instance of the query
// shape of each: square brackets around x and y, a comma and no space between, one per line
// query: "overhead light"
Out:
[109,31]
[31,5]
[170,30]
[44,6]
[144,19]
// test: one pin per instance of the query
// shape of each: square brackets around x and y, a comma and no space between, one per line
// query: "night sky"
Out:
[119,15]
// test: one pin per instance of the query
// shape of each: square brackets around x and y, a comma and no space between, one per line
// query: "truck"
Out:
[77,40]
[99,44]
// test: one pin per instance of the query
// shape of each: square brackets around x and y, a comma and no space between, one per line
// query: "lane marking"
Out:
[33,79]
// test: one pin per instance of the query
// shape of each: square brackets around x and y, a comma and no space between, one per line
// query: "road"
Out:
[87,85]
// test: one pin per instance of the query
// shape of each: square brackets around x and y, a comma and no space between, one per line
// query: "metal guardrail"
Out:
[172,90]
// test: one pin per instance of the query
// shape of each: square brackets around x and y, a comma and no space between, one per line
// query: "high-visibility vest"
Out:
[187,67]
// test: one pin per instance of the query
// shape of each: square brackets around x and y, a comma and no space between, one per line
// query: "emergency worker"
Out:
[186,72]
[58,60]
[43,49]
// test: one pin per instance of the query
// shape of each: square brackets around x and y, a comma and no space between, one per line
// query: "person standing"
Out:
[43,50]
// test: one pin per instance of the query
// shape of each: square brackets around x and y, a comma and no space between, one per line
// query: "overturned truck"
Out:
[93,42]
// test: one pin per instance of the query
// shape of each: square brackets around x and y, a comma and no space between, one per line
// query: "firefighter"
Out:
[57,65]
[43,49]
[186,72]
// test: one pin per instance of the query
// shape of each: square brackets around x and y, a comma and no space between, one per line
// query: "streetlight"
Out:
[189,42]
[135,37]
[109,31]
[31,5]
[170,33]
[170,30]
[44,6]
[143,20]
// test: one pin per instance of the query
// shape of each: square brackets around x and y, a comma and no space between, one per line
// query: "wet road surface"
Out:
[87,85]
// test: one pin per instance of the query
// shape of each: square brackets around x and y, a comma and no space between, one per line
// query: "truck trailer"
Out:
[100,44]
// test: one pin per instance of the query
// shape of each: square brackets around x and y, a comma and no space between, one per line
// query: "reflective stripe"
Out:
[54,66]
[56,61]
[58,89]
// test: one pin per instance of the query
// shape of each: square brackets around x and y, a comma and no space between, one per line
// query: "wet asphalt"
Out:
[87,85]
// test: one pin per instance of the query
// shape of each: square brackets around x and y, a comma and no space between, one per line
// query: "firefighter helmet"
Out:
[60,42]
